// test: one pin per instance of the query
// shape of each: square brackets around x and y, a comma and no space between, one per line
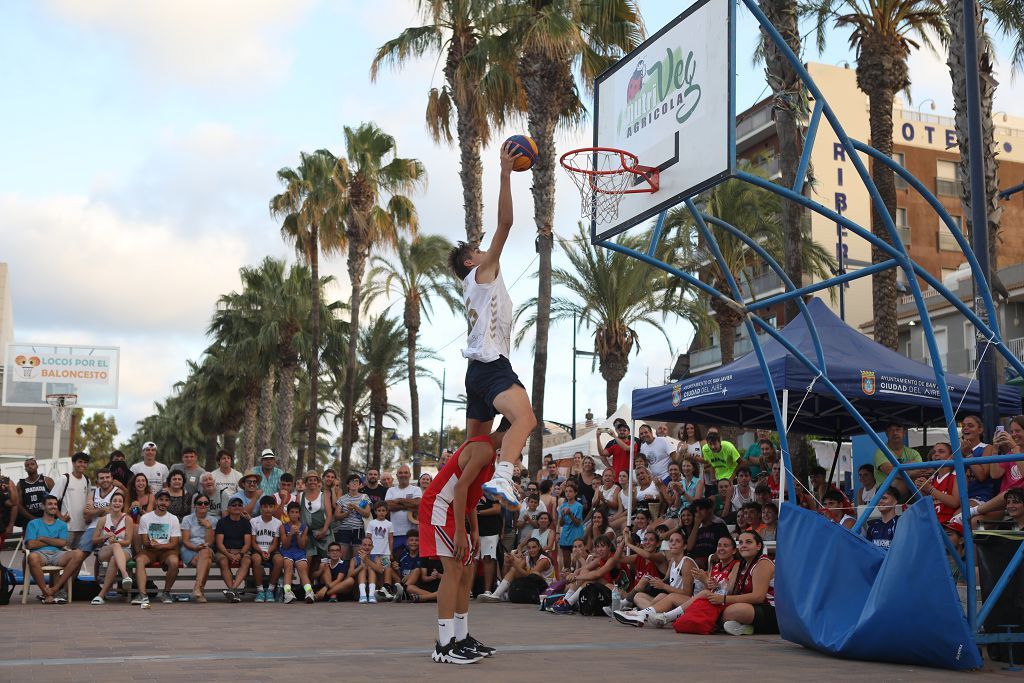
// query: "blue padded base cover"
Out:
[838,593]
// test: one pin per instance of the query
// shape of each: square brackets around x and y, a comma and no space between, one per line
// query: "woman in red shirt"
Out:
[941,485]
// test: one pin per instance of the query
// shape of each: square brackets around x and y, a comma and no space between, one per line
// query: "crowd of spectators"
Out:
[698,524]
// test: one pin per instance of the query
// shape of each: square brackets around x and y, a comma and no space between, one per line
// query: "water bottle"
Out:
[616,599]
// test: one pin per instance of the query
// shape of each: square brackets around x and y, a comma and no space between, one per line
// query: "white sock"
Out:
[362,590]
[398,586]
[674,613]
[574,597]
[372,590]
[445,630]
[503,470]
[500,590]
[461,625]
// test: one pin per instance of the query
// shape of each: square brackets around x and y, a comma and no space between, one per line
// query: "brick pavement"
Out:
[270,642]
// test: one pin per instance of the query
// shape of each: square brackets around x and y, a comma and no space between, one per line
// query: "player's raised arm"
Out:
[490,263]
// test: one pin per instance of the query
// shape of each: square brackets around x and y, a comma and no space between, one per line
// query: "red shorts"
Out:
[438,542]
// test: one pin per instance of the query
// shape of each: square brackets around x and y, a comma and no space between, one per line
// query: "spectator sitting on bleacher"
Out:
[294,534]
[191,469]
[940,485]
[226,476]
[285,494]
[181,499]
[408,561]
[649,564]
[744,491]
[31,492]
[140,497]
[267,562]
[233,539]
[156,472]
[519,565]
[1015,507]
[752,519]
[704,539]
[47,540]
[835,507]
[750,603]
[598,526]
[866,477]
[895,434]
[723,502]
[215,498]
[197,542]
[770,518]
[880,531]
[112,540]
[249,494]
[1009,475]
[601,569]
[763,494]
[160,538]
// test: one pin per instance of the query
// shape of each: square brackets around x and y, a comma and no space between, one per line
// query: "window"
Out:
[947,178]
[900,159]
[901,225]
[946,240]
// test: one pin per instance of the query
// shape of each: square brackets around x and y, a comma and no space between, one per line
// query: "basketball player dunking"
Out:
[491,385]
[447,504]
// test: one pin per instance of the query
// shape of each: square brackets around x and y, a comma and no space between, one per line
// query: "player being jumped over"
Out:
[491,385]
[449,532]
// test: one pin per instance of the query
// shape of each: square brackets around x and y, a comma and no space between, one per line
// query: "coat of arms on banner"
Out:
[867,382]
[677,395]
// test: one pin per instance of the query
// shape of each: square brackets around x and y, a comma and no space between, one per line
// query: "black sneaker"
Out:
[453,653]
[471,643]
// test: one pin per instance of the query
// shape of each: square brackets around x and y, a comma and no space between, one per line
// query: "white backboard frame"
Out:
[697,48]
[99,390]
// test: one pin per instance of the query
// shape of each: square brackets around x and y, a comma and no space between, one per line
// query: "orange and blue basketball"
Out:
[525,151]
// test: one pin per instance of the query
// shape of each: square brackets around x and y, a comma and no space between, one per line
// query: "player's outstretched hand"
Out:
[507,157]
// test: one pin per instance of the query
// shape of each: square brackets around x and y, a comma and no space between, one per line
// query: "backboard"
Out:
[31,371]
[671,103]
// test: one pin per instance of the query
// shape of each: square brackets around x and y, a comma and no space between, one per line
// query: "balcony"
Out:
[758,119]
[947,187]
[762,285]
[769,168]
[706,359]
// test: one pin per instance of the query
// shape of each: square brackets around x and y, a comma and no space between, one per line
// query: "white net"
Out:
[602,177]
[61,406]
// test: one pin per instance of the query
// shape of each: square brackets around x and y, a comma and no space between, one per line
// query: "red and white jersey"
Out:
[745,581]
[946,483]
[437,502]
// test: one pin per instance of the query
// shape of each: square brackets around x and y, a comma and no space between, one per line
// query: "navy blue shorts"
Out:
[484,381]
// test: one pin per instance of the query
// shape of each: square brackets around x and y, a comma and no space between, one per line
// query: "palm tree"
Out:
[451,29]
[418,277]
[310,207]
[756,212]
[545,42]
[375,209]
[614,294]
[883,33]
[790,108]
[1009,18]
[382,350]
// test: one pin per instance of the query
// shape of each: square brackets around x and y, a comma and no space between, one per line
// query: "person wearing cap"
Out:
[249,494]
[156,472]
[233,541]
[618,448]
[160,540]
[72,492]
[270,474]
[31,492]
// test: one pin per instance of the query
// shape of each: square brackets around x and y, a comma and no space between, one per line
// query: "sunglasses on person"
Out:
[203,503]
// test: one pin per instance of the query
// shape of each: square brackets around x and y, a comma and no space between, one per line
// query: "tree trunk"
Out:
[547,83]
[285,415]
[789,110]
[356,267]
[986,72]
[378,437]
[613,369]
[471,173]
[882,72]
[249,428]
[314,355]
[728,320]
[211,452]
[230,437]
[266,429]
[300,455]
[412,329]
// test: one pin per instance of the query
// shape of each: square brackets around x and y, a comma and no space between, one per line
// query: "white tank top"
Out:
[490,318]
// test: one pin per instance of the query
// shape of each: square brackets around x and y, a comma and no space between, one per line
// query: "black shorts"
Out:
[764,619]
[484,381]
[348,536]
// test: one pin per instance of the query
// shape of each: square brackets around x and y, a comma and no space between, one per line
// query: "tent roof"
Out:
[883,385]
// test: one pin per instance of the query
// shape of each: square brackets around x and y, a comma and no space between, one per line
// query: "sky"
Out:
[141,142]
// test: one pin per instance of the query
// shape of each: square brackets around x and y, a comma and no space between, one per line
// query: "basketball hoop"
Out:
[604,175]
[61,406]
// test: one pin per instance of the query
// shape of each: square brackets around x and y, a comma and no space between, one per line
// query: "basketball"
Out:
[525,150]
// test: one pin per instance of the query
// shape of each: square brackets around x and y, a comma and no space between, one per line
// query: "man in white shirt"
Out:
[226,477]
[156,472]
[657,450]
[743,493]
[402,499]
[96,506]
[160,537]
[72,493]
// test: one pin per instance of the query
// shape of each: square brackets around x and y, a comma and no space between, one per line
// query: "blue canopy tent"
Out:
[883,385]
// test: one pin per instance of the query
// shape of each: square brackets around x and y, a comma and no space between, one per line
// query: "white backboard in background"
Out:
[31,371]
[670,102]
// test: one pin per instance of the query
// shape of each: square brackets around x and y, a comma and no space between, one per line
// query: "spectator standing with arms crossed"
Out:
[491,385]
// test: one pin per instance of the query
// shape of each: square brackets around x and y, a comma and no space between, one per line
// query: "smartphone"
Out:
[1000,428]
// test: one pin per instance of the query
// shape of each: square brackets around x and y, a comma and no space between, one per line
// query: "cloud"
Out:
[227,42]
[80,263]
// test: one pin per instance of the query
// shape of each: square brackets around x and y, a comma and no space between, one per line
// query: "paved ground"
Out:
[387,642]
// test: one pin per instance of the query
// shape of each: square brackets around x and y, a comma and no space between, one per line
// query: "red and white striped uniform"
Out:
[437,508]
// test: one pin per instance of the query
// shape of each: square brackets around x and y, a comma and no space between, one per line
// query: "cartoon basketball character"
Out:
[28,365]
[636,82]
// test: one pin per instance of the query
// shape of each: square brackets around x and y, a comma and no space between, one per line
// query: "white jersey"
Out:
[265,532]
[490,318]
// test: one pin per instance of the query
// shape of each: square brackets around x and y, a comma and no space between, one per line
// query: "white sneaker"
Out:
[383,593]
[630,618]
[289,597]
[372,599]
[735,628]
[658,620]
[488,597]
[500,487]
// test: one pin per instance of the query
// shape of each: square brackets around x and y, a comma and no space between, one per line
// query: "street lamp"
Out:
[576,354]
[924,103]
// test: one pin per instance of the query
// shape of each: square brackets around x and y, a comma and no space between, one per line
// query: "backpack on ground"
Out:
[594,597]
[526,590]
[7,583]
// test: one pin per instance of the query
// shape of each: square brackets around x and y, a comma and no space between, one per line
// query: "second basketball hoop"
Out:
[604,175]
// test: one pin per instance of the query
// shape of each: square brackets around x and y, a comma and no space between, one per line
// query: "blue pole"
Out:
[656,236]
[805,158]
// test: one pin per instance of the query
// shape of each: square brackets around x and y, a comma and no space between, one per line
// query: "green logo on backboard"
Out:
[666,87]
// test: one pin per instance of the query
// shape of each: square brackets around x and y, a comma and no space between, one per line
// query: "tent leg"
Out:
[632,450]
[786,461]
